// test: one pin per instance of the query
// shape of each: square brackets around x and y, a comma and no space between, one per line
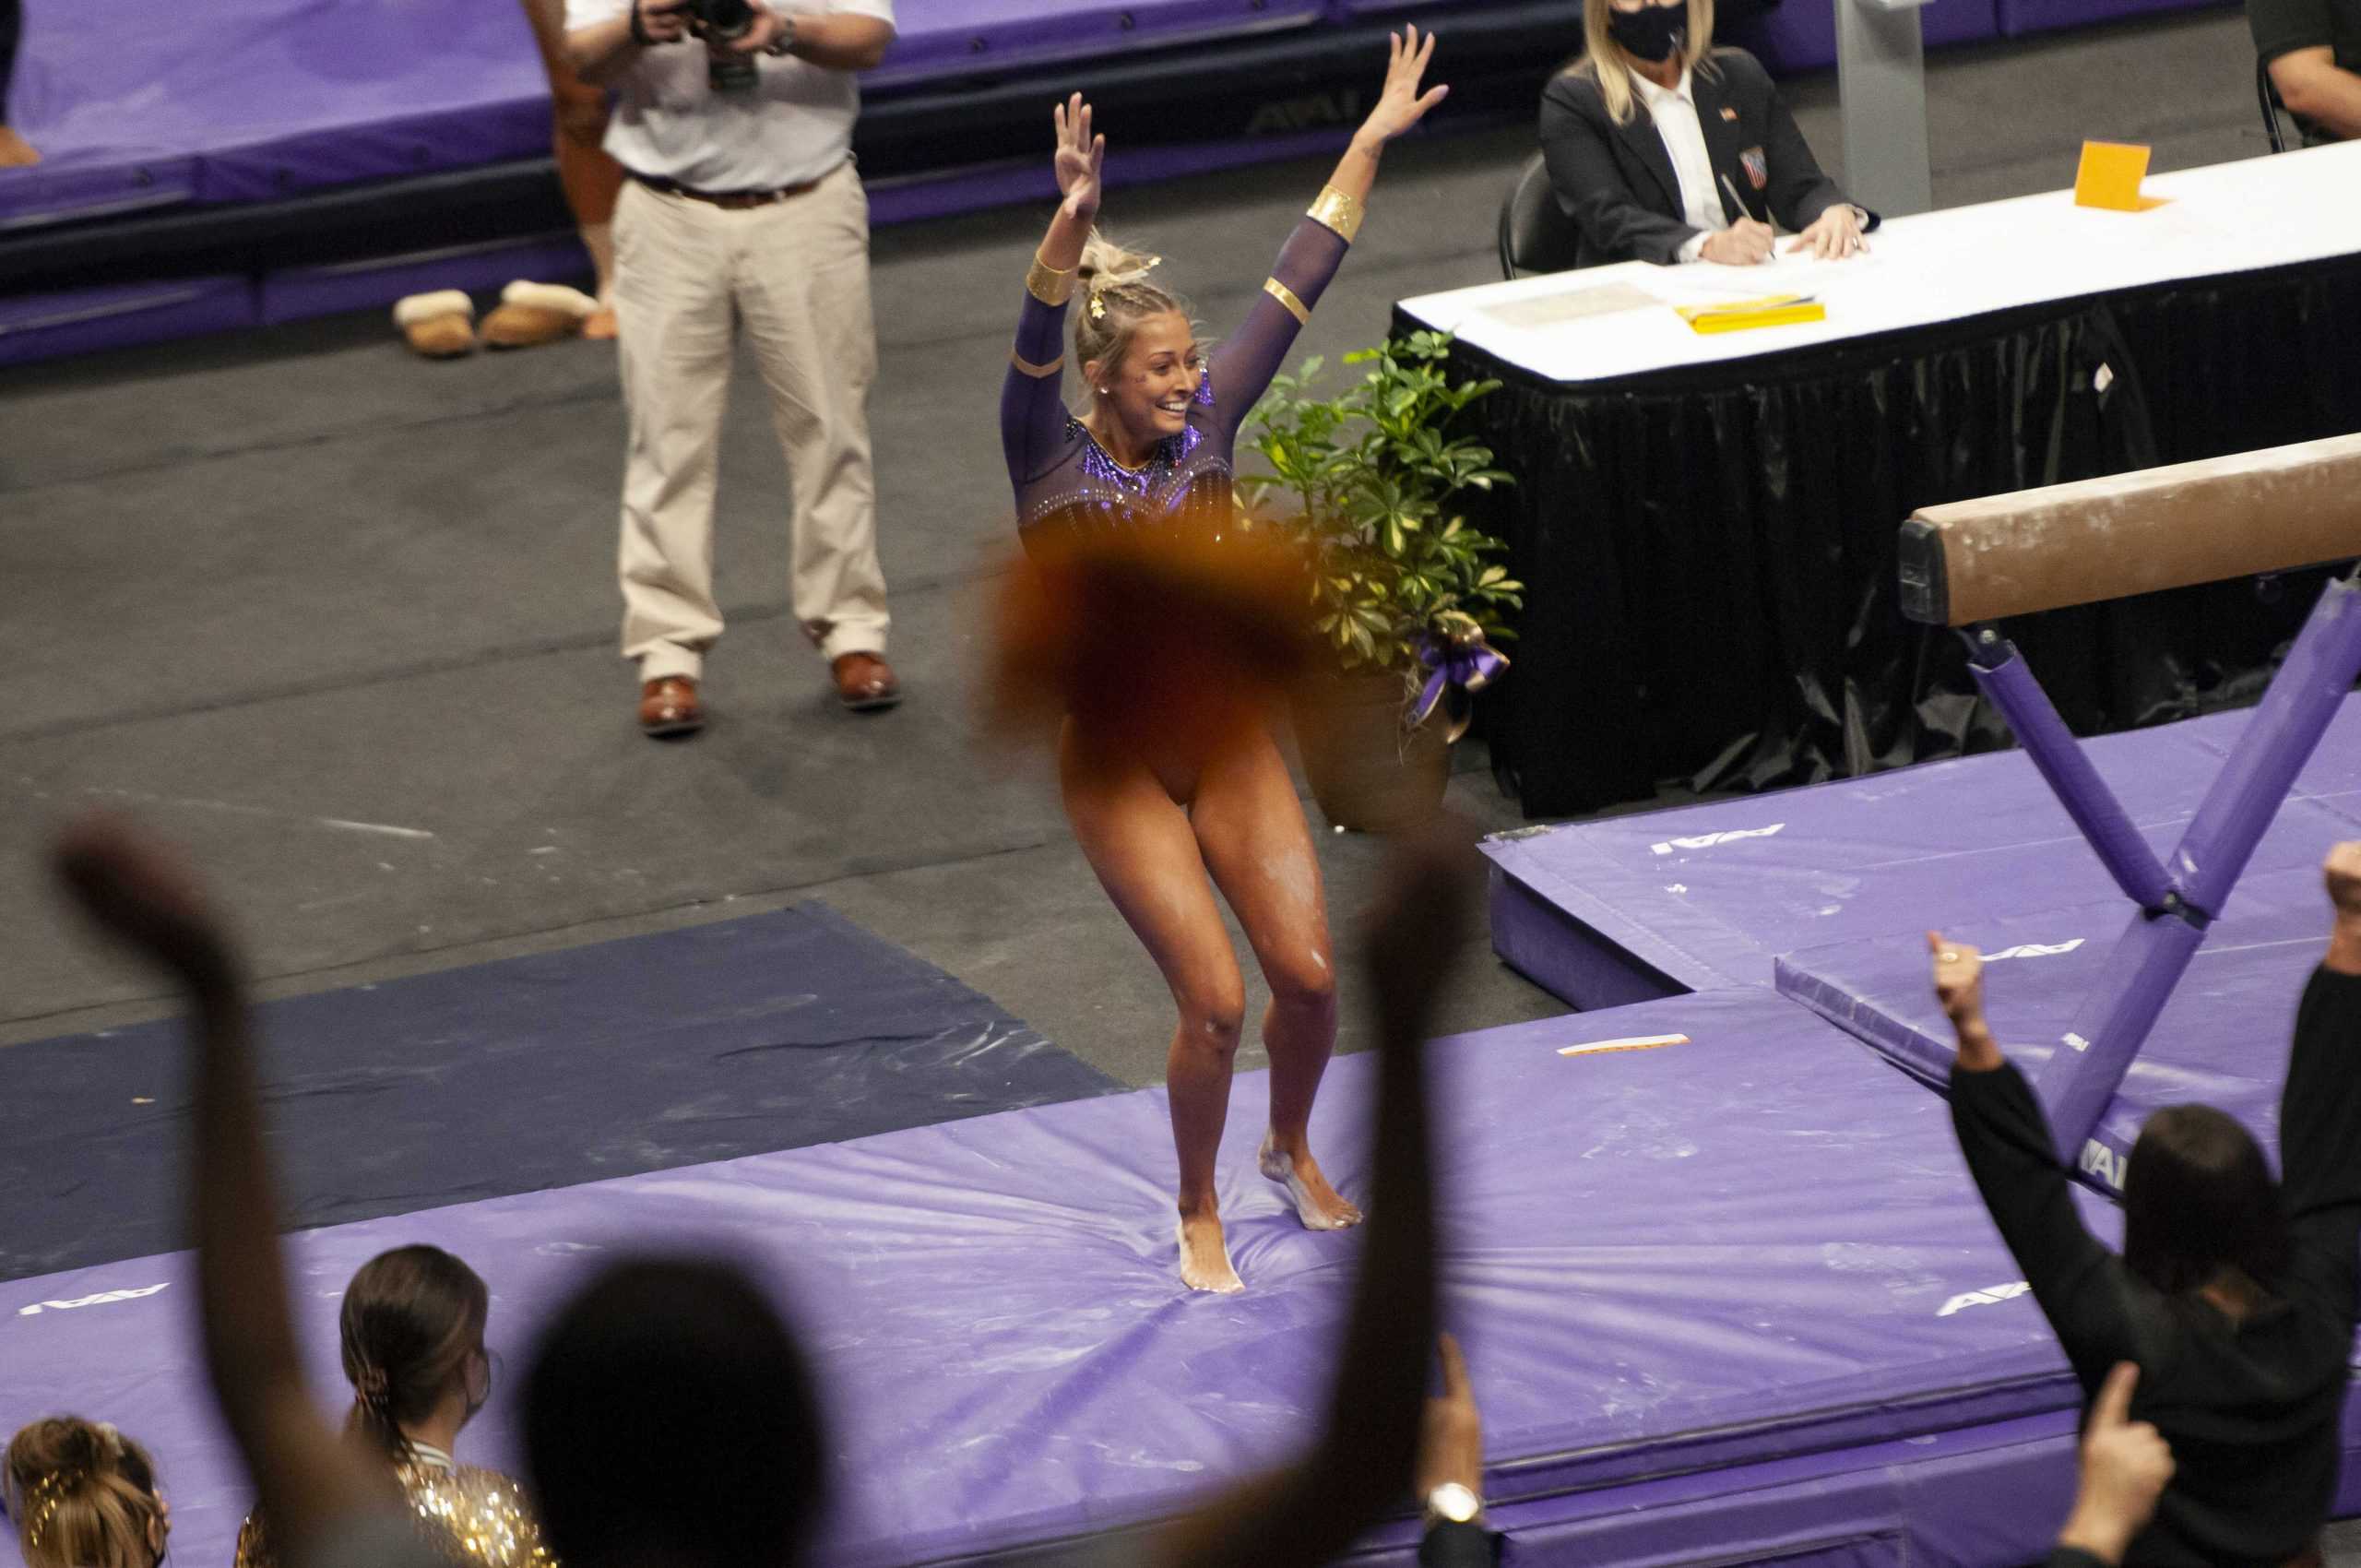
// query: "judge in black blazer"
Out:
[1663,148]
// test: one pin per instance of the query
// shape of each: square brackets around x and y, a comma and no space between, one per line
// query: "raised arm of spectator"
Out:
[307,1478]
[1032,401]
[2006,1138]
[1364,1459]
[1244,361]
[2125,1467]
[2320,1108]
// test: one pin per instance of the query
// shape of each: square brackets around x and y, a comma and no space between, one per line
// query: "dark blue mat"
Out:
[773,1033]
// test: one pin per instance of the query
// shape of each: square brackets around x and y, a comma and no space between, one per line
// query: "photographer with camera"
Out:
[734,124]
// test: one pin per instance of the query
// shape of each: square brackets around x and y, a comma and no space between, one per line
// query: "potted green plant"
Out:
[1408,598]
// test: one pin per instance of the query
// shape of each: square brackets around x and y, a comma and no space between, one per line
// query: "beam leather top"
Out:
[2099,539]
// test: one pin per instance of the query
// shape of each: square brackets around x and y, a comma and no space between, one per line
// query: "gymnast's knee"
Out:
[1305,984]
[1213,1022]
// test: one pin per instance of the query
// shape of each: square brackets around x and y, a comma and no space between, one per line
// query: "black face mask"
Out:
[1650,33]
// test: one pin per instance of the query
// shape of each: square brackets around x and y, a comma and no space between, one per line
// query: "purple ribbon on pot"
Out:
[1466,661]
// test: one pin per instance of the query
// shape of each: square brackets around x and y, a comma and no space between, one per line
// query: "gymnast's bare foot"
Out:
[1204,1255]
[1318,1205]
[16,153]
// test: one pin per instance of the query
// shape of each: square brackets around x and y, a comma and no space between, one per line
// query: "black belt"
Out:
[736,201]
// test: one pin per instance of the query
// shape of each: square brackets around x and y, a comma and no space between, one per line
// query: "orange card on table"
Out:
[2110,177]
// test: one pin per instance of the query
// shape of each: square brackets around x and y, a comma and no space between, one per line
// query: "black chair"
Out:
[2268,90]
[1534,235]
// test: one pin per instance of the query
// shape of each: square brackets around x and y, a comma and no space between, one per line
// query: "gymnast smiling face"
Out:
[1143,387]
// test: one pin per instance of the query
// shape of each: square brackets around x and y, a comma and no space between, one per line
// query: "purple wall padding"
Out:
[85,321]
[1013,1360]
[2021,16]
[1708,895]
[1800,35]
[949,38]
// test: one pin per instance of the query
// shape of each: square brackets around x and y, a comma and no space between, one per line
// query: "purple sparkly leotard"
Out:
[1061,475]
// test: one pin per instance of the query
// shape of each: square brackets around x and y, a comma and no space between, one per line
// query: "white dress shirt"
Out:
[794,128]
[1674,110]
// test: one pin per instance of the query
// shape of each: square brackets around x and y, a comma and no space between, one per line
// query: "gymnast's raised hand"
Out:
[1959,986]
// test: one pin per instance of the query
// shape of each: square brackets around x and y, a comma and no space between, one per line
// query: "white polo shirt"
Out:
[794,128]
[1674,110]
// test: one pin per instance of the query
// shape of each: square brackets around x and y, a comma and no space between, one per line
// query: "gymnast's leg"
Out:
[1251,829]
[1139,842]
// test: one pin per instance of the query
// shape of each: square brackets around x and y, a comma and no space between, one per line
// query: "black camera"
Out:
[725,21]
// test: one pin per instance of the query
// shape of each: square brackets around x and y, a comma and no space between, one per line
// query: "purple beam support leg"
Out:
[2060,760]
[2080,1079]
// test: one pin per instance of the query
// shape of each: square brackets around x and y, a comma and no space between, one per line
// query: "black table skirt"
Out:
[1709,553]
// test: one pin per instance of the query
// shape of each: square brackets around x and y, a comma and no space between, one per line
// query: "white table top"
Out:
[1933,267]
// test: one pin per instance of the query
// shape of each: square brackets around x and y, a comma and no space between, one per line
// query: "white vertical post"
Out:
[1881,91]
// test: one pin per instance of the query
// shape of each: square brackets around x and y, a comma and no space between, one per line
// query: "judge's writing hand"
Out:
[1741,244]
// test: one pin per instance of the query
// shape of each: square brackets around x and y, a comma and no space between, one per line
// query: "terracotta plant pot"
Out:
[1367,772]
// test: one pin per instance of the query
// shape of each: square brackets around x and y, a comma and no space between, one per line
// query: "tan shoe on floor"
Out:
[440,326]
[865,683]
[16,153]
[669,705]
[534,314]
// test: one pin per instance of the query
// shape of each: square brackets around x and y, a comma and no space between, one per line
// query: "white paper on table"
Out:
[1570,305]
[1783,274]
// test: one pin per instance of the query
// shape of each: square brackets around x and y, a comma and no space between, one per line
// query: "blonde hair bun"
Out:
[1107,265]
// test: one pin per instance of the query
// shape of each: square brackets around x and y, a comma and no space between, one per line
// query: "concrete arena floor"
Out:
[342,621]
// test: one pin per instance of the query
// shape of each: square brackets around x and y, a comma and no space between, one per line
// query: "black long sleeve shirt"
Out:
[2253,1410]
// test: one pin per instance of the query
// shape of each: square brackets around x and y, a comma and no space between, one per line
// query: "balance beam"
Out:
[2097,538]
[1966,564]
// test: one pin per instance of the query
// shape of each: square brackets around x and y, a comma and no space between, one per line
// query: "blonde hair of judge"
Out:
[1603,59]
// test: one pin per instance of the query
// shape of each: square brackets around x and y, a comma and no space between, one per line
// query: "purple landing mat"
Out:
[675,1048]
[2221,1040]
[1605,912]
[1012,1363]
[244,101]
[300,293]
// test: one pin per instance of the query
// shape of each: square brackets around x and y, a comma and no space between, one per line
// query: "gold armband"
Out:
[1037,372]
[1338,211]
[1050,285]
[1285,296]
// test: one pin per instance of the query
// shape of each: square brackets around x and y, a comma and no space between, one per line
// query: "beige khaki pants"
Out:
[794,275]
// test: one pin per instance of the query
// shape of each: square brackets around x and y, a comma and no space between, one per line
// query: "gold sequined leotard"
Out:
[471,1518]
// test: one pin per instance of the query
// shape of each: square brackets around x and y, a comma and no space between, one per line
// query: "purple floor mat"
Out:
[1607,912]
[1012,1363]
[2221,1040]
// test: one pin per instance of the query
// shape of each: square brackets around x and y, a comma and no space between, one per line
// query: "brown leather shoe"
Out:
[865,683]
[669,705]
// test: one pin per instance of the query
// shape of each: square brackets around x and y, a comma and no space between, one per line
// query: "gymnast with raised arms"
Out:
[1156,806]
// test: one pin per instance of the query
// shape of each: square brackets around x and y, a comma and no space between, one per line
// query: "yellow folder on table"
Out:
[1738,315]
[2111,176]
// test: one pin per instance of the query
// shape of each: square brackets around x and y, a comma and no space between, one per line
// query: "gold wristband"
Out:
[1037,372]
[1285,296]
[1338,211]
[1050,285]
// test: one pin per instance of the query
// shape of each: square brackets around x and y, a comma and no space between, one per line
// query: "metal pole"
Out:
[1881,91]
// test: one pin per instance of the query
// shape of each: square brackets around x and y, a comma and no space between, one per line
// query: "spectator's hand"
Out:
[1833,235]
[1959,979]
[662,21]
[1079,157]
[139,892]
[2343,869]
[1743,244]
[1400,104]
[1450,1442]
[2126,1465]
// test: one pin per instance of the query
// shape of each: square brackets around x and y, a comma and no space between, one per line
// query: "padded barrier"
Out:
[1708,895]
[1767,1363]
[677,1049]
